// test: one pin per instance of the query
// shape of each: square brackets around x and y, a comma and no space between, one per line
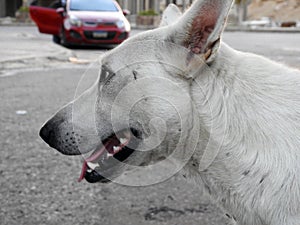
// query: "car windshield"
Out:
[93,5]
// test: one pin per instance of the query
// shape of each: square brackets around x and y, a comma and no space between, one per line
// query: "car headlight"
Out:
[74,21]
[120,24]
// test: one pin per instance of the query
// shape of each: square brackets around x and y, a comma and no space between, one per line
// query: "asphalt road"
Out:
[38,185]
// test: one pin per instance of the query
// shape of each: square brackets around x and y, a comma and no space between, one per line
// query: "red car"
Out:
[82,22]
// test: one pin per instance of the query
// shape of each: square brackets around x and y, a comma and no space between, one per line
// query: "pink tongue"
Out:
[92,158]
[97,155]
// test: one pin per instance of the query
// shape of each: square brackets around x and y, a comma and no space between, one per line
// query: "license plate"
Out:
[100,34]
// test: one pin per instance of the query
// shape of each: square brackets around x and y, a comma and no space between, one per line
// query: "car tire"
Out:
[63,40]
[56,39]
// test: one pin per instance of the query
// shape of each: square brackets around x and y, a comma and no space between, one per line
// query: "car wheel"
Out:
[63,40]
[56,39]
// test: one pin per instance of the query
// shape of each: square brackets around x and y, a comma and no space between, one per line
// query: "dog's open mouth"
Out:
[115,147]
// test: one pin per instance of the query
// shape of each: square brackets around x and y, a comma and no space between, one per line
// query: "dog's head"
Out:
[140,110]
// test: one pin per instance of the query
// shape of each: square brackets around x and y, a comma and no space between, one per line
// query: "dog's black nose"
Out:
[44,134]
[59,133]
[47,134]
[51,131]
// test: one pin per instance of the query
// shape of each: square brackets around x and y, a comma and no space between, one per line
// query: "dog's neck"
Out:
[210,89]
[228,96]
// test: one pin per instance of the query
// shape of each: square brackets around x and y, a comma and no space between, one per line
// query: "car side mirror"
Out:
[126,12]
[60,11]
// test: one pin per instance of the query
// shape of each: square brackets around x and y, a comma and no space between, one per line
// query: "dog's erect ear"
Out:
[171,14]
[201,27]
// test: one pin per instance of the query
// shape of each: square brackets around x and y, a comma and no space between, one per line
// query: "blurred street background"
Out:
[245,13]
[37,77]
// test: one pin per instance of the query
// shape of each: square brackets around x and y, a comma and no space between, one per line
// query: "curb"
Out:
[228,29]
[43,60]
[263,29]
[17,24]
[240,29]
[61,54]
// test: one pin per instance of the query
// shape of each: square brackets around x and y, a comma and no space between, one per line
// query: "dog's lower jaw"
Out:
[105,163]
[94,177]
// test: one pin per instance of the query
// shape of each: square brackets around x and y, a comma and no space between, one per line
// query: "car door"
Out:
[48,20]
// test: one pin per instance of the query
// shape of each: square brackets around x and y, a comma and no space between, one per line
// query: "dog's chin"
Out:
[106,163]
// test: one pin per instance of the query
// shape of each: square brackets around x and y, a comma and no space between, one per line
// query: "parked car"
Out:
[82,22]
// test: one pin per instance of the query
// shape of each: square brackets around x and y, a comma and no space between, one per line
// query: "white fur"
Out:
[256,116]
[255,175]
[246,107]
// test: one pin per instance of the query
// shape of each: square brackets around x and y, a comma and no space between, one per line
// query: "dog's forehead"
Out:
[147,50]
[135,48]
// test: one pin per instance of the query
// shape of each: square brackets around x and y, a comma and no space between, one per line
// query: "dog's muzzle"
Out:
[107,153]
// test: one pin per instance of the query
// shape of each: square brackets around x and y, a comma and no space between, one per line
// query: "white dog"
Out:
[232,119]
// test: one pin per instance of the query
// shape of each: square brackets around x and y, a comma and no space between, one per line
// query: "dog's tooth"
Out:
[116,149]
[109,155]
[89,171]
[93,166]
[123,141]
